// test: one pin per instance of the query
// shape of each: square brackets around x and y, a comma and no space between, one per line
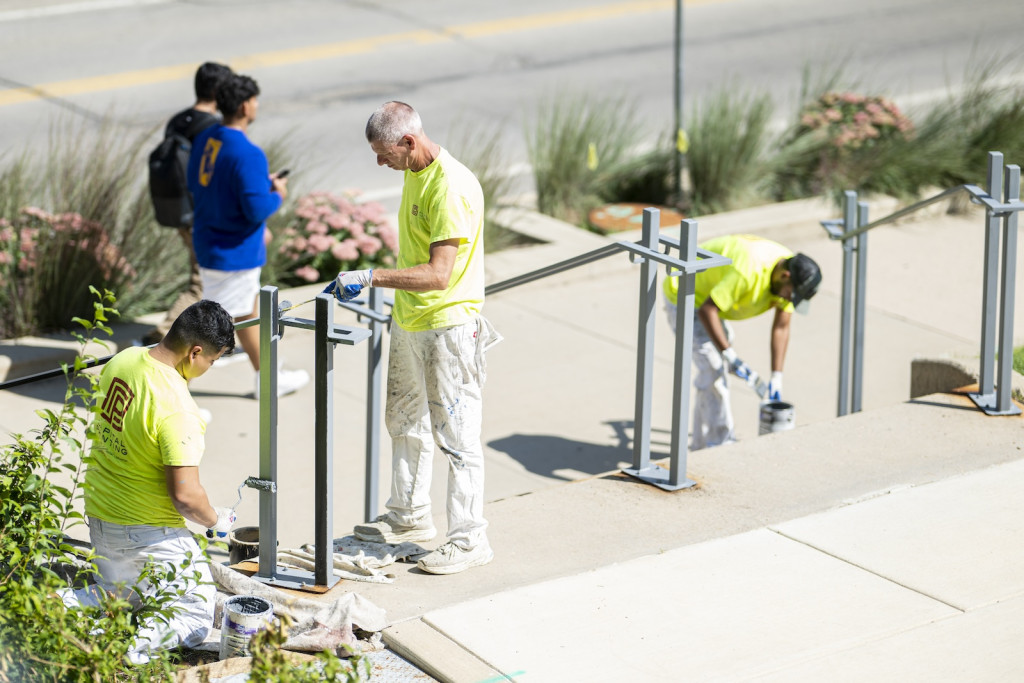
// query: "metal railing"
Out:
[691,261]
[652,250]
[1002,204]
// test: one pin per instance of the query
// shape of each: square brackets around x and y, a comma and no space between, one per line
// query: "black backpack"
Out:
[168,184]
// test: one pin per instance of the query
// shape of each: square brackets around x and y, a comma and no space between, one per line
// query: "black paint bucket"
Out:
[243,544]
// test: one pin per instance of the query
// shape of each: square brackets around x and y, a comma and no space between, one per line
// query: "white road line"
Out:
[73,8]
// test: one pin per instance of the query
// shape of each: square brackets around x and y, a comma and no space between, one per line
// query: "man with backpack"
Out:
[168,186]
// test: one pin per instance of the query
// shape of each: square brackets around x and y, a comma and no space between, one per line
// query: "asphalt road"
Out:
[468,66]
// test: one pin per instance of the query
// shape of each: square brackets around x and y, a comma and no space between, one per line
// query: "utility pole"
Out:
[681,142]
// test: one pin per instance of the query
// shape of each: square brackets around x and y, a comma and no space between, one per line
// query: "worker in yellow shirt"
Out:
[142,480]
[763,275]
[437,365]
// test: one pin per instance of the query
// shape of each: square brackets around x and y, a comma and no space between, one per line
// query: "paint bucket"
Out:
[244,615]
[776,416]
[243,544]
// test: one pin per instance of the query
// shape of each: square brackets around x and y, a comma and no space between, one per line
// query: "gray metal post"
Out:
[269,336]
[861,242]
[986,376]
[645,345]
[846,312]
[683,360]
[1006,297]
[373,400]
[680,157]
[323,450]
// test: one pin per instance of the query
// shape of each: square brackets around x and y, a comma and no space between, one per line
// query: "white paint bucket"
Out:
[244,615]
[776,416]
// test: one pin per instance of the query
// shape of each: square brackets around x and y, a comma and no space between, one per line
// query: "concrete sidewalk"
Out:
[881,545]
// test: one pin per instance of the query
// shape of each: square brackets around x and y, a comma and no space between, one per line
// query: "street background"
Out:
[324,66]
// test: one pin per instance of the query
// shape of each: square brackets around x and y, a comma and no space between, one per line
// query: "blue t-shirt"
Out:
[230,182]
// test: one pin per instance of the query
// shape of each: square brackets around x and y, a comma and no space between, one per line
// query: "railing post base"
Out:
[989,404]
[658,476]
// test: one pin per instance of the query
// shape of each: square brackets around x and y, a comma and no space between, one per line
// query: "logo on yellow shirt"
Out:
[115,405]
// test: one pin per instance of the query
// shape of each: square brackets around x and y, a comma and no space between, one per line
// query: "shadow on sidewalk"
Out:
[560,458]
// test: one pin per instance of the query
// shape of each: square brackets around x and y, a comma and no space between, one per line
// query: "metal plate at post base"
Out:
[988,403]
[658,476]
[295,579]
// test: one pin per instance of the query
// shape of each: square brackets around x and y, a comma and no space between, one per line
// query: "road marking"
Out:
[74,8]
[129,79]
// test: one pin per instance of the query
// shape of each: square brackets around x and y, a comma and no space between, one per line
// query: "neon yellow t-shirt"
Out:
[741,289]
[148,419]
[442,202]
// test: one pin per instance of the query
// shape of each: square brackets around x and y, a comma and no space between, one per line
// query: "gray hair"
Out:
[391,122]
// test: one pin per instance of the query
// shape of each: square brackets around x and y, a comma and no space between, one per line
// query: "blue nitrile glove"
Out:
[736,366]
[775,387]
[347,286]
[225,518]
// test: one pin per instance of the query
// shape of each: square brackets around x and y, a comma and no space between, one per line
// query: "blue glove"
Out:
[775,387]
[737,366]
[347,286]
[225,518]
[346,293]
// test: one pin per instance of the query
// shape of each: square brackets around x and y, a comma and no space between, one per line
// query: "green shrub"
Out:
[481,149]
[40,476]
[81,216]
[271,664]
[576,145]
[729,140]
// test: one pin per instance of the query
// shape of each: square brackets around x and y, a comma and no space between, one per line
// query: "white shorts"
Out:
[235,290]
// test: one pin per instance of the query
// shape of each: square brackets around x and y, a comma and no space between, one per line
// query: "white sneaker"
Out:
[288,382]
[452,559]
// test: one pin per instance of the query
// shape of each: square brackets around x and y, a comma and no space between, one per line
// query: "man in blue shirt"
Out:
[234,195]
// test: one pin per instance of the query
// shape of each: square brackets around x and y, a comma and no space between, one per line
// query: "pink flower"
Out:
[6,234]
[389,236]
[338,221]
[5,258]
[35,212]
[368,244]
[833,114]
[317,228]
[346,250]
[308,273]
[318,244]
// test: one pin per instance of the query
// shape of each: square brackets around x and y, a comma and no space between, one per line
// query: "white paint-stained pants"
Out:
[122,553]
[712,414]
[435,382]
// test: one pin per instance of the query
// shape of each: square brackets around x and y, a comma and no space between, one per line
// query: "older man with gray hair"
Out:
[436,366]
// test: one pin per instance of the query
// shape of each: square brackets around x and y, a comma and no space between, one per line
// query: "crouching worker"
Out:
[763,276]
[142,480]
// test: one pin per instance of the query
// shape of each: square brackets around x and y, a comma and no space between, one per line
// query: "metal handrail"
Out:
[993,397]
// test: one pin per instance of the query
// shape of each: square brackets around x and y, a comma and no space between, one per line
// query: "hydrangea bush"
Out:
[845,141]
[326,233]
[47,257]
[852,121]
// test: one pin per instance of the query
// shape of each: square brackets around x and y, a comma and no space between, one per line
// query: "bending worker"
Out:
[763,275]
[436,365]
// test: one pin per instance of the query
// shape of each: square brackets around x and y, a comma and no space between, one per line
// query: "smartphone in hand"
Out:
[283,173]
